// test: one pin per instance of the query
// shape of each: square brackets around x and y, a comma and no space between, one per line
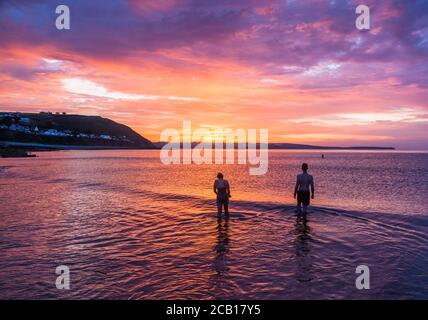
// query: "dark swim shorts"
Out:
[303,197]
[222,198]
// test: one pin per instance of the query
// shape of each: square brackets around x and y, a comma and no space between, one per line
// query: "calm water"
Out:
[131,228]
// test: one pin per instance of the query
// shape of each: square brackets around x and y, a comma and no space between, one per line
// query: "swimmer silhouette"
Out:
[222,190]
[304,181]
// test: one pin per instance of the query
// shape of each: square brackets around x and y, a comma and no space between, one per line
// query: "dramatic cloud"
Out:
[295,66]
[357,119]
[90,88]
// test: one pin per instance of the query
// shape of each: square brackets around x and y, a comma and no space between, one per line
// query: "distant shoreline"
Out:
[292,146]
[61,131]
[57,147]
[52,147]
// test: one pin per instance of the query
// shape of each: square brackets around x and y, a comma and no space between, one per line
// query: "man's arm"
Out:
[228,189]
[296,187]
[312,188]
[214,188]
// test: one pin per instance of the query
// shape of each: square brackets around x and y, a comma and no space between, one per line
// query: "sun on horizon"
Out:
[317,80]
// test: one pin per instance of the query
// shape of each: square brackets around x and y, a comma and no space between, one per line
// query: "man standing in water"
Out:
[222,190]
[303,182]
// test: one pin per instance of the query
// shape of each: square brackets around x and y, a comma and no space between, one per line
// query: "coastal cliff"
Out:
[63,131]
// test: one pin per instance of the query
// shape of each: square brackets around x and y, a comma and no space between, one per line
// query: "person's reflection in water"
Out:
[303,257]
[222,245]
[219,285]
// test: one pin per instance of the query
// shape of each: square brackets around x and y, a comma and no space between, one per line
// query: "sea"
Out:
[127,226]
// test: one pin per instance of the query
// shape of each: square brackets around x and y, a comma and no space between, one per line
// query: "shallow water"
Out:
[129,227]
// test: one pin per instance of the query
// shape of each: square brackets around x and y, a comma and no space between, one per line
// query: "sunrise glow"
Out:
[233,65]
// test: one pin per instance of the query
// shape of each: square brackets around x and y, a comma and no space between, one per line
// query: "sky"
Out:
[299,68]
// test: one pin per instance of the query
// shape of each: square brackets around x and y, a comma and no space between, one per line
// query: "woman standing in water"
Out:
[222,190]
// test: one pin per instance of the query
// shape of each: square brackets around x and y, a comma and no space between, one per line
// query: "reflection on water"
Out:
[221,249]
[131,228]
[303,243]
[222,246]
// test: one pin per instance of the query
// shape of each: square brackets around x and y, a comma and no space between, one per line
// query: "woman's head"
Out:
[219,175]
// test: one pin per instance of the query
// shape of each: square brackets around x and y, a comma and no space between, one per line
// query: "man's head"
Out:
[219,175]
[305,167]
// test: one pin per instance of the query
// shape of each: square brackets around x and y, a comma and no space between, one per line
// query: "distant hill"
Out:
[292,146]
[310,147]
[63,131]
[67,131]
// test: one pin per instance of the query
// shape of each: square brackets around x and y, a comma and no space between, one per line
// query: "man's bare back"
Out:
[304,181]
